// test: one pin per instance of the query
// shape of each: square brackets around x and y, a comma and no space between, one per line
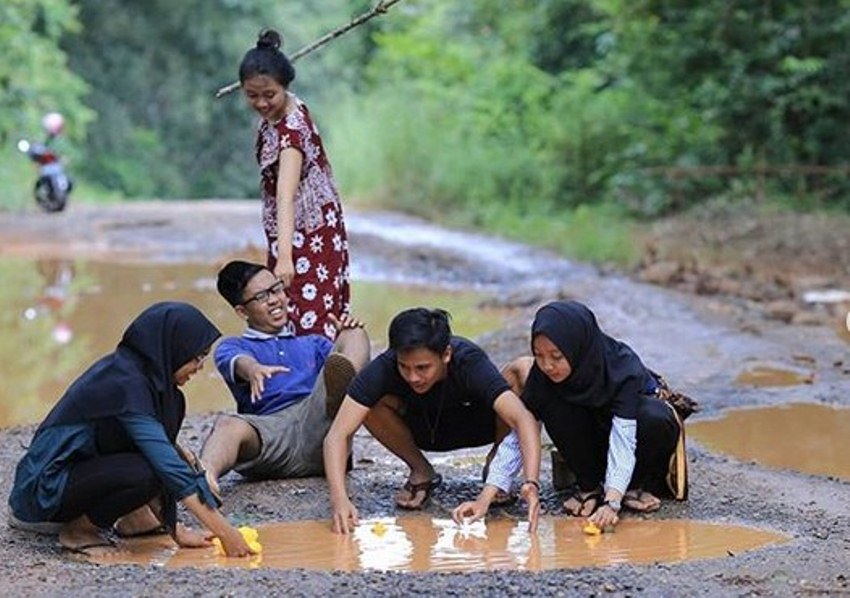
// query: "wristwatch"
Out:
[614,505]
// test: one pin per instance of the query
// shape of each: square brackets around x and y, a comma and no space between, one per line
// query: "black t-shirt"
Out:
[471,379]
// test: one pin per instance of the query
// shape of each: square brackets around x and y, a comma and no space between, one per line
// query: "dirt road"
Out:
[699,342]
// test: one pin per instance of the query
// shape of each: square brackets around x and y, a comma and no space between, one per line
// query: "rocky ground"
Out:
[712,291]
[766,260]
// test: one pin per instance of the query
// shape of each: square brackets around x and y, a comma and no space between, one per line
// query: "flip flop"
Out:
[83,550]
[595,495]
[504,499]
[46,528]
[634,500]
[414,489]
[156,531]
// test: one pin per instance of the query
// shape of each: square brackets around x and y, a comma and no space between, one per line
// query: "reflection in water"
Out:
[382,545]
[805,437]
[29,351]
[424,544]
[55,299]
[58,317]
[763,376]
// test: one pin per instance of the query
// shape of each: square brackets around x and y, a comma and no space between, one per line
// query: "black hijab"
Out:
[606,373]
[139,376]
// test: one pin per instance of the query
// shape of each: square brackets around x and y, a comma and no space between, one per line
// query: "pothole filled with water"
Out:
[59,316]
[804,437]
[417,543]
[763,375]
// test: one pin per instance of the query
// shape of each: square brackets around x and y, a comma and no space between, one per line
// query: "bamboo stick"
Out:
[380,8]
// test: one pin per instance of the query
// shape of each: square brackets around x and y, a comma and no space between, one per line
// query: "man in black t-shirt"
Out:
[429,391]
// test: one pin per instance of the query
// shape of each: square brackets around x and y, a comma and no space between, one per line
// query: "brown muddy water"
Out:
[767,375]
[419,543]
[60,316]
[804,437]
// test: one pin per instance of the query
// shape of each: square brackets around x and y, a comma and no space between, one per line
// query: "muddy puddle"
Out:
[417,543]
[766,375]
[59,316]
[804,437]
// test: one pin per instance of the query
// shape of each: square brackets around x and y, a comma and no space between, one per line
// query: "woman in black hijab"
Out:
[109,448]
[600,407]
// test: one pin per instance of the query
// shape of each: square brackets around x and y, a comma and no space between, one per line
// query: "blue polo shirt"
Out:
[303,355]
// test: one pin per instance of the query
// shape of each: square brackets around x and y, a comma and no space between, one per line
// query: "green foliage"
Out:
[531,106]
[570,102]
[153,67]
[33,72]
[766,78]
[34,79]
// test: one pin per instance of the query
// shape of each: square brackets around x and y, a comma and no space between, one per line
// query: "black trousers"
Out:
[581,436]
[108,487]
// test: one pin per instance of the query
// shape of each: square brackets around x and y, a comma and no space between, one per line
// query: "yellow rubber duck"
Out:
[379,529]
[251,537]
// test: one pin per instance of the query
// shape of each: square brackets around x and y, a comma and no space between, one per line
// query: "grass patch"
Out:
[386,154]
[600,234]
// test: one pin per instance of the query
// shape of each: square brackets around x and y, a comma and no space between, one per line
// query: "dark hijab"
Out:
[606,373]
[139,376]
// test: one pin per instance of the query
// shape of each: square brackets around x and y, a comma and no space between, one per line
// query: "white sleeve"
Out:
[506,464]
[622,444]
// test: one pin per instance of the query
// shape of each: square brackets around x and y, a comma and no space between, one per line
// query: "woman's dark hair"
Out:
[234,277]
[267,58]
[420,327]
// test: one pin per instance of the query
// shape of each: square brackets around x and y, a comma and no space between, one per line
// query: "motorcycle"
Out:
[53,185]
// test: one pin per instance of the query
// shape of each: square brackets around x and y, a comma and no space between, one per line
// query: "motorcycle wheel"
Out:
[47,198]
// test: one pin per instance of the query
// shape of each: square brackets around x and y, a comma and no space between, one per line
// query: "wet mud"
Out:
[700,342]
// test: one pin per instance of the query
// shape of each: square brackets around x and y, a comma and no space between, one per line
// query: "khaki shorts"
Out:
[291,439]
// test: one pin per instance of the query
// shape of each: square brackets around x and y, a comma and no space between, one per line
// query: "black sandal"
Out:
[414,489]
[154,531]
[595,495]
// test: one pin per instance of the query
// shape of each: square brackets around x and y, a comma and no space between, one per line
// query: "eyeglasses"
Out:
[200,359]
[263,296]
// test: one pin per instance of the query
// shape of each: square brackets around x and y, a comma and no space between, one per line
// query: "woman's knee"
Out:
[657,423]
[149,484]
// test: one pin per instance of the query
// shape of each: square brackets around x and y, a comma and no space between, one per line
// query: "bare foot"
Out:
[641,501]
[83,538]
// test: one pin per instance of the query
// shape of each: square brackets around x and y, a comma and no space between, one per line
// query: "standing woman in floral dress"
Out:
[302,213]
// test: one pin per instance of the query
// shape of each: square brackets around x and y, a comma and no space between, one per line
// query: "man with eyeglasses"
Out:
[287,388]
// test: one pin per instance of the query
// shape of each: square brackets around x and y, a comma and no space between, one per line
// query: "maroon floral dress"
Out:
[319,242]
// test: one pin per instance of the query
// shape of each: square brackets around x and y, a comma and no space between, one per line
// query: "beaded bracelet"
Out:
[534,483]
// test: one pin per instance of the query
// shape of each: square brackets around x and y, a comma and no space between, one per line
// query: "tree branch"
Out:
[380,8]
